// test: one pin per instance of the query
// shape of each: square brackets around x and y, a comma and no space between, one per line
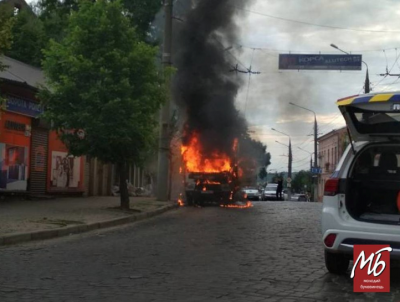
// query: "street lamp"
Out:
[290,151]
[315,145]
[290,159]
[366,84]
[315,131]
[311,153]
[282,144]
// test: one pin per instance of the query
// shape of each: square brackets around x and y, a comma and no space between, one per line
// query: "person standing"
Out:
[279,189]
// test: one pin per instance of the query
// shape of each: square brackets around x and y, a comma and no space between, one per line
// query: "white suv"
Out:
[361,202]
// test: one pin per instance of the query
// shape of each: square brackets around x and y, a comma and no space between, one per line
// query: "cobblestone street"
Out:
[271,252]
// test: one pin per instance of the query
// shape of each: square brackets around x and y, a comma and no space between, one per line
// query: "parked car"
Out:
[269,192]
[360,203]
[303,197]
[252,193]
[285,194]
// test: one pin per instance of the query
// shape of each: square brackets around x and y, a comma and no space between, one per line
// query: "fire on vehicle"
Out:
[212,179]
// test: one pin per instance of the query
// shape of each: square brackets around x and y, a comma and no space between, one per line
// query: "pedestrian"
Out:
[279,189]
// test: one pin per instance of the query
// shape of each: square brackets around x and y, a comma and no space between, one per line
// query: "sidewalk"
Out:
[23,220]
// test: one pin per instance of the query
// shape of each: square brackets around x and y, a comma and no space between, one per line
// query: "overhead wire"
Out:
[277,51]
[325,126]
[387,72]
[301,160]
[314,24]
[248,85]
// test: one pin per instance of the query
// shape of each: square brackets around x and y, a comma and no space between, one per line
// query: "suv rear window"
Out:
[385,159]
[367,121]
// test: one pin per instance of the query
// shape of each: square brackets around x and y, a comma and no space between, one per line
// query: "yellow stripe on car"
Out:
[381,98]
[345,102]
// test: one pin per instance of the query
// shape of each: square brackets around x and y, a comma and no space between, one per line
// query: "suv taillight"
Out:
[330,240]
[331,187]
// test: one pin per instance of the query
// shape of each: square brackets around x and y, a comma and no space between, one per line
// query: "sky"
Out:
[370,28]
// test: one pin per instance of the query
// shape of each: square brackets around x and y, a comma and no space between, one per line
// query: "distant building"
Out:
[330,149]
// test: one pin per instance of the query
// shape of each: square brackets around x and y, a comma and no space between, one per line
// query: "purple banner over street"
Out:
[319,62]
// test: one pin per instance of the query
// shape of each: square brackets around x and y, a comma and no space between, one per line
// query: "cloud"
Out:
[268,96]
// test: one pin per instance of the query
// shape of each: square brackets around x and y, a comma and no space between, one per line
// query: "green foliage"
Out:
[6,24]
[250,148]
[142,13]
[33,31]
[104,81]
[28,38]
[54,15]
[263,173]
[302,178]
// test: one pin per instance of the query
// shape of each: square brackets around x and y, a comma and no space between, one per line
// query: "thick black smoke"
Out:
[204,86]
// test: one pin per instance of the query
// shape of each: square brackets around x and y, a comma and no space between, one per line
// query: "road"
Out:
[271,252]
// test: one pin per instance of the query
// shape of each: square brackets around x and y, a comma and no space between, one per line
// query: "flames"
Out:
[246,205]
[196,161]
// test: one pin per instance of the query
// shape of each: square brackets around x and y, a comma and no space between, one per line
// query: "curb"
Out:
[81,228]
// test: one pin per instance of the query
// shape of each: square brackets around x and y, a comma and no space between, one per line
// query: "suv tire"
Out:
[336,263]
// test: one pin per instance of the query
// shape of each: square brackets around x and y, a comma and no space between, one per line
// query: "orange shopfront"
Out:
[21,108]
[15,140]
[32,158]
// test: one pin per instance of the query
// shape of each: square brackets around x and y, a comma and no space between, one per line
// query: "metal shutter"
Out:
[39,158]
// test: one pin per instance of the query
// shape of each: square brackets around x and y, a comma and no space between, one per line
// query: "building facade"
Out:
[32,158]
[330,149]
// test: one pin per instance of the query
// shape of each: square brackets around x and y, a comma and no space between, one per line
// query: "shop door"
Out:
[39,153]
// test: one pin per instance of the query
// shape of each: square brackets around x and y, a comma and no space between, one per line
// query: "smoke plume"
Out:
[204,87]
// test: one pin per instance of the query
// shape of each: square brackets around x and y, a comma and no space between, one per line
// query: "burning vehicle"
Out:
[202,188]
[205,90]
[209,179]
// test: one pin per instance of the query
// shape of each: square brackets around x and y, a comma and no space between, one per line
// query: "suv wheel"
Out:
[336,263]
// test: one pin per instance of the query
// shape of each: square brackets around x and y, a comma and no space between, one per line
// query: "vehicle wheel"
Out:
[336,263]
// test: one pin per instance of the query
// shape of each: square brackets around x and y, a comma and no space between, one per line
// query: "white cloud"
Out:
[270,92]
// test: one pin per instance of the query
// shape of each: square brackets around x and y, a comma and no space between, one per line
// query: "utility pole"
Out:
[315,158]
[315,148]
[290,159]
[164,139]
[366,83]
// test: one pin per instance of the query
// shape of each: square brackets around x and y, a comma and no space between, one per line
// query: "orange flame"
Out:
[238,206]
[195,161]
[209,182]
[180,202]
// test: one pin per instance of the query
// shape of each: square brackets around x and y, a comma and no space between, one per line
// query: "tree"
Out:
[28,38]
[263,173]
[302,178]
[103,81]
[6,24]
[55,14]
[142,13]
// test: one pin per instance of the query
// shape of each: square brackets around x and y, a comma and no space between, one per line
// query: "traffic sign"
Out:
[316,170]
[288,180]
